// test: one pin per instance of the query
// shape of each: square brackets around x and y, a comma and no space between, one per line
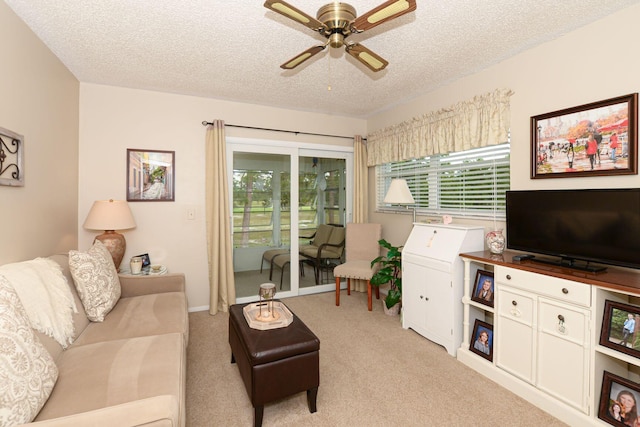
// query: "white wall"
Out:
[114,119]
[39,100]
[593,63]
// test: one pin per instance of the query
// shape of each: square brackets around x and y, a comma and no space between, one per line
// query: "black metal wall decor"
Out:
[11,158]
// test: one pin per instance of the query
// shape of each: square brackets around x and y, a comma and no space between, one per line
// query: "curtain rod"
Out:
[205,123]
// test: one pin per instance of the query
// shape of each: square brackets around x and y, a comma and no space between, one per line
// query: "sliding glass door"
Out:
[322,200]
[274,213]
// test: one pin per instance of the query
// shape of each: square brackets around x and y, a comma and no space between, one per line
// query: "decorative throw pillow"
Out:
[96,280]
[28,371]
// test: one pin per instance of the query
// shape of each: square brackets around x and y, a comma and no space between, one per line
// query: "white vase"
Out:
[495,241]
[393,311]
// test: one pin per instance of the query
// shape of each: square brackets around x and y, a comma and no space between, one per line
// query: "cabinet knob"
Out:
[514,303]
[560,317]
[421,297]
[508,277]
[565,291]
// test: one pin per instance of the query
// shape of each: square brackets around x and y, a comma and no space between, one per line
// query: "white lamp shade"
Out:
[109,215]
[399,193]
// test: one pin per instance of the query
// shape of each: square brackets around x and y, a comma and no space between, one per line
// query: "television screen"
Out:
[601,226]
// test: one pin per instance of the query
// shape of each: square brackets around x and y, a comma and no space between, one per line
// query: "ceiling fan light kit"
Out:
[336,21]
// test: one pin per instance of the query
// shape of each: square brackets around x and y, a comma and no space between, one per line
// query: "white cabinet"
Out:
[563,352]
[427,304]
[432,280]
[547,323]
[515,344]
[544,340]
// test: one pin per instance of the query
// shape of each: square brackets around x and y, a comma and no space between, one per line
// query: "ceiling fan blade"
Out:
[291,12]
[372,60]
[386,11]
[299,59]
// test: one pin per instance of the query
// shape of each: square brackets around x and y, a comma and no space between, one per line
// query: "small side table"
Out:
[147,271]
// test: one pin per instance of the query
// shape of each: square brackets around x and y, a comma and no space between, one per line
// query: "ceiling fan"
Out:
[336,21]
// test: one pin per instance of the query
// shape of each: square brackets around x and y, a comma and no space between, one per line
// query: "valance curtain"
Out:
[478,122]
[219,248]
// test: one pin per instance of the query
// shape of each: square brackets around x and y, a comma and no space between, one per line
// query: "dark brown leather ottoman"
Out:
[275,363]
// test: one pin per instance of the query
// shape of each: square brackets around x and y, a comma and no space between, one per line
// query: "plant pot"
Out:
[393,311]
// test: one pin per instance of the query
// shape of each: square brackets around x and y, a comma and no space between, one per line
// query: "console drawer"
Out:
[515,306]
[562,321]
[560,289]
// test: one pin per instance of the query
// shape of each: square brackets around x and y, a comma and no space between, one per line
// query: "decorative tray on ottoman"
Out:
[280,316]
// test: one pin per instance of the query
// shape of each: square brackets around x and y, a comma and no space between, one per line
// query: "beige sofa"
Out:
[128,370]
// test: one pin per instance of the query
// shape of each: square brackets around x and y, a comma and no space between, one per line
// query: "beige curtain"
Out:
[478,122]
[360,193]
[360,181]
[219,247]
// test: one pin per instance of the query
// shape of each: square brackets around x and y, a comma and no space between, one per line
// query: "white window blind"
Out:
[470,183]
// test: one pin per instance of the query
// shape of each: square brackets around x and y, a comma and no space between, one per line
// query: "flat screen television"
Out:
[576,227]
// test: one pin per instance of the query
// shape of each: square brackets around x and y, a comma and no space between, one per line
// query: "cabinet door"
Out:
[439,294]
[413,293]
[515,333]
[563,358]
[427,298]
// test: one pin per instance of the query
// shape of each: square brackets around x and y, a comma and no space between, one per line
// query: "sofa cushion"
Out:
[28,371]
[141,316]
[96,279]
[107,374]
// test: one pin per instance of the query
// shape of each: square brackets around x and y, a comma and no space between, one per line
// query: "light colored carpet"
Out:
[372,373]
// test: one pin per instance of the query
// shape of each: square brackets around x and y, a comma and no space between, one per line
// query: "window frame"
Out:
[428,177]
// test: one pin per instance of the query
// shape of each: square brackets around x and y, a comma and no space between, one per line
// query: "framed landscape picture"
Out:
[596,139]
[150,175]
[621,327]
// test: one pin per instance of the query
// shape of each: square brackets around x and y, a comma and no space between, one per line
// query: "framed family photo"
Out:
[146,261]
[482,340]
[150,175]
[483,290]
[619,400]
[596,139]
[621,327]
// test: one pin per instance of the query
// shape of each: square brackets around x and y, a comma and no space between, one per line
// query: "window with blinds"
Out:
[469,183]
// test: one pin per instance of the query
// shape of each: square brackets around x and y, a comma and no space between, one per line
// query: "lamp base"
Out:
[116,245]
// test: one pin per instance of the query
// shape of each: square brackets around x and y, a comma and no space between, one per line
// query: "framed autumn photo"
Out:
[596,139]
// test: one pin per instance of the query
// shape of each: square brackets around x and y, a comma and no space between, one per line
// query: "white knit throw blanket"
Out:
[45,295]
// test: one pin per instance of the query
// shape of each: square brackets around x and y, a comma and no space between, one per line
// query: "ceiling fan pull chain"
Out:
[329,72]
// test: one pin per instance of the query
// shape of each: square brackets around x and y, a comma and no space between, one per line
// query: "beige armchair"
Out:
[361,248]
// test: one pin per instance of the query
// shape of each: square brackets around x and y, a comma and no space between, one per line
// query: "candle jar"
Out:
[136,265]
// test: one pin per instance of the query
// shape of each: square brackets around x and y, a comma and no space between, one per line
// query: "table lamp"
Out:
[399,194]
[111,215]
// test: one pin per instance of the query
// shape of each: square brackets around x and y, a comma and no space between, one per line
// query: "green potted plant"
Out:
[389,272]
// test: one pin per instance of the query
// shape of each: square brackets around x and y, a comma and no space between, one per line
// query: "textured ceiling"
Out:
[232,50]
